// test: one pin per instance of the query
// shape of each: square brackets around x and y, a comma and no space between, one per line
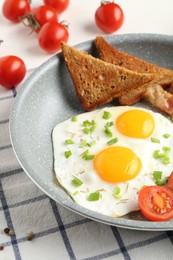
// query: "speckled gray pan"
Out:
[47,97]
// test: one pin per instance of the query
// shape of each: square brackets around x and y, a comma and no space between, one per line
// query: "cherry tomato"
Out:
[156,203]
[12,71]
[59,5]
[109,17]
[170,181]
[14,9]
[39,16]
[50,36]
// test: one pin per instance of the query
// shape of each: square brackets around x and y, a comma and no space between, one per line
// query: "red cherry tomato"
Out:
[12,71]
[109,17]
[156,203]
[39,16]
[59,5]
[50,36]
[14,9]
[170,181]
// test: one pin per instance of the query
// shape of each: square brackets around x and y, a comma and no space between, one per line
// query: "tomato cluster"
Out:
[44,20]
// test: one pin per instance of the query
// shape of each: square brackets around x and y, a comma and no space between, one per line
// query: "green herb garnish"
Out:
[69,141]
[156,154]
[157,176]
[112,141]
[84,143]
[91,143]
[166,135]
[77,182]
[89,126]
[93,127]
[166,159]
[109,124]
[67,154]
[155,140]
[166,149]
[74,119]
[87,156]
[86,130]
[163,155]
[117,193]
[94,196]
[106,115]
[108,132]
[75,193]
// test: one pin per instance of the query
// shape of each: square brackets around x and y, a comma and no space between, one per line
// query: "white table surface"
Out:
[59,233]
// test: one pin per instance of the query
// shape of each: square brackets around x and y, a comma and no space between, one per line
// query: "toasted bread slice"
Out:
[98,82]
[112,55]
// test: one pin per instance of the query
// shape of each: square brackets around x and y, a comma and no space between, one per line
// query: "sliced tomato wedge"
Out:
[170,181]
[156,203]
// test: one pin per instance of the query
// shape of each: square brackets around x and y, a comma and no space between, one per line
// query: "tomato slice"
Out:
[156,203]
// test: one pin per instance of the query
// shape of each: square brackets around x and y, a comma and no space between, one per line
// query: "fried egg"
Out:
[104,157]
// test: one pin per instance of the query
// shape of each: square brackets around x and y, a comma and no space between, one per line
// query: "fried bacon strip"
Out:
[159,98]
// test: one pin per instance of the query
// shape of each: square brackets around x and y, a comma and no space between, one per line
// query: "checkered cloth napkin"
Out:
[33,226]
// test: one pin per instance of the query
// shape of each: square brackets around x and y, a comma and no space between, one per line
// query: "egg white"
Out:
[66,168]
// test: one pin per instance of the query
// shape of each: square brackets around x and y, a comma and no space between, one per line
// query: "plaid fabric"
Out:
[58,232]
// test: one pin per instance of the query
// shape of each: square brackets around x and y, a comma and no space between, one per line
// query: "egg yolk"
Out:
[117,164]
[135,123]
